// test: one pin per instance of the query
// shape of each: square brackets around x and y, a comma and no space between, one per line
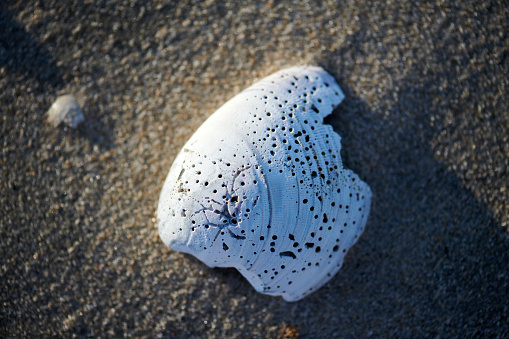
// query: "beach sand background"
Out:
[425,122]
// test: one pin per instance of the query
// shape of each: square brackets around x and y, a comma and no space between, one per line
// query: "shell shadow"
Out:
[97,132]
[95,129]
[22,54]
[431,252]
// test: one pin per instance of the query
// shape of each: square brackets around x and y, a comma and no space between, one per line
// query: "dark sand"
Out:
[425,122]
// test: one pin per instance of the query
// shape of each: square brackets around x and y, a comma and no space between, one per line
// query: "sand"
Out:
[425,122]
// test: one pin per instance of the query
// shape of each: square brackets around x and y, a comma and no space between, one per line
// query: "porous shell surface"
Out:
[261,187]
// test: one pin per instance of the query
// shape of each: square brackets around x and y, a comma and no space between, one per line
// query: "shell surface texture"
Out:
[261,187]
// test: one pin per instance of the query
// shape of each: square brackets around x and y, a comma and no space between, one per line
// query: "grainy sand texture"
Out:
[425,123]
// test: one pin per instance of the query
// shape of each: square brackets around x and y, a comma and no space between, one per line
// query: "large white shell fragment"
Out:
[67,110]
[261,187]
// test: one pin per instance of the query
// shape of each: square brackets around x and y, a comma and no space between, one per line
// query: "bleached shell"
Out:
[261,187]
[65,109]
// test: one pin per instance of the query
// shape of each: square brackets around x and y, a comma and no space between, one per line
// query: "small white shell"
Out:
[65,109]
[261,187]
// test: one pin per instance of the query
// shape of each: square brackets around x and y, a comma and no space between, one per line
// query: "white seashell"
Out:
[261,187]
[65,109]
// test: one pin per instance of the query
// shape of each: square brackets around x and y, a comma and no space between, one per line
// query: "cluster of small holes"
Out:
[288,145]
